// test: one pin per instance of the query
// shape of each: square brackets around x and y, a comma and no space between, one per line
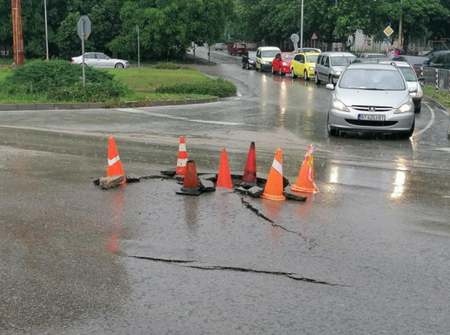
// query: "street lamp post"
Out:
[400,28]
[301,28]
[46,29]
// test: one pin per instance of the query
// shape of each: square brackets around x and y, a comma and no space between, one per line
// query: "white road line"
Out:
[429,123]
[136,111]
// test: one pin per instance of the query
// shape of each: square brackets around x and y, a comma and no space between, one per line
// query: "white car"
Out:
[100,60]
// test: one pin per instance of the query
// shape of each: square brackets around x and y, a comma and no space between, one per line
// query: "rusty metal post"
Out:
[17,32]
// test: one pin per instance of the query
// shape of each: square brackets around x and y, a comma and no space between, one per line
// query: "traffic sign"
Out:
[314,36]
[295,38]
[84,27]
[388,31]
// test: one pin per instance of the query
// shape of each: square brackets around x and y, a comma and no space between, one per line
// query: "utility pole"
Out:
[301,28]
[400,28]
[46,30]
[17,32]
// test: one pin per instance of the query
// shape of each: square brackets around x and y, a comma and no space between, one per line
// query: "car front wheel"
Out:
[305,75]
[119,66]
[418,108]
[410,132]
[280,72]
[273,71]
[316,79]
[330,129]
[293,73]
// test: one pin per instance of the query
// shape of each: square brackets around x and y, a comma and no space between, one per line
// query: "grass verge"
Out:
[442,96]
[143,83]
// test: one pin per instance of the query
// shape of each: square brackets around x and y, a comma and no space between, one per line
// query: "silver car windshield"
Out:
[372,79]
[408,73]
[341,61]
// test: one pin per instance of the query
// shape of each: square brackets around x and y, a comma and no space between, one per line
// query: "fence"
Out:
[438,78]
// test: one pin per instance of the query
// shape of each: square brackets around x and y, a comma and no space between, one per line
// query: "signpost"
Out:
[295,38]
[84,30]
[314,38]
[388,31]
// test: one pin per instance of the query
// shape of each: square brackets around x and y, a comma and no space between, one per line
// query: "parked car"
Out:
[100,60]
[264,58]
[415,61]
[329,66]
[238,49]
[309,50]
[371,97]
[372,55]
[247,62]
[220,46]
[281,64]
[440,60]
[304,64]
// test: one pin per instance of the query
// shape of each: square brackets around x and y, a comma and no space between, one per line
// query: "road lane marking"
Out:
[136,111]
[429,123]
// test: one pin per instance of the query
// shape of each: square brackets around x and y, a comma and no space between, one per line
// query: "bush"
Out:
[170,66]
[60,80]
[216,87]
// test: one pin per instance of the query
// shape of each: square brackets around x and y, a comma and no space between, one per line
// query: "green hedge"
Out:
[216,87]
[60,80]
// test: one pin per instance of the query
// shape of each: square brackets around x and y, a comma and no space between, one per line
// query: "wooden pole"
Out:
[17,32]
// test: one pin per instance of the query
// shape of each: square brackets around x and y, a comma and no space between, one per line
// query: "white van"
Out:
[264,58]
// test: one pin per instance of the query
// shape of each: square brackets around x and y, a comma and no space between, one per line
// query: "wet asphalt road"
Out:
[369,254]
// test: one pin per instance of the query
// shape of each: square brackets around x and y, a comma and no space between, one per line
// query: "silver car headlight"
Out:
[311,68]
[337,73]
[416,94]
[339,105]
[404,108]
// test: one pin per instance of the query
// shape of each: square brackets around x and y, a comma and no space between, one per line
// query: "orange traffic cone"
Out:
[191,185]
[305,181]
[274,186]
[249,177]
[224,176]
[182,158]
[114,164]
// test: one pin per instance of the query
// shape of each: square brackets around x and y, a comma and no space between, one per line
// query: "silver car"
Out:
[100,60]
[371,97]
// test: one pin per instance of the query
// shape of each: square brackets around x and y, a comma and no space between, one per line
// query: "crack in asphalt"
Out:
[276,225]
[184,263]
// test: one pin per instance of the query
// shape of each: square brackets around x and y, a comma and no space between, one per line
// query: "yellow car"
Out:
[303,65]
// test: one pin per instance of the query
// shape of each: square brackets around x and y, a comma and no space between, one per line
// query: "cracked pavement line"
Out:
[257,212]
[184,263]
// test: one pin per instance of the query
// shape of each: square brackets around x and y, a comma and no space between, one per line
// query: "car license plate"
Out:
[371,117]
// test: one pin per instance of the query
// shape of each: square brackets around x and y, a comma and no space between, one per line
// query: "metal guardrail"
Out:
[438,78]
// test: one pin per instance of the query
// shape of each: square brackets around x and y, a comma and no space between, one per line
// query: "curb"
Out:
[435,102]
[99,105]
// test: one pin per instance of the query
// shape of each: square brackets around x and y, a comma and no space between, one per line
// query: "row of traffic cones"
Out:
[273,190]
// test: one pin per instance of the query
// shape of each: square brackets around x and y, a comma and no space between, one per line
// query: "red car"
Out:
[237,49]
[281,64]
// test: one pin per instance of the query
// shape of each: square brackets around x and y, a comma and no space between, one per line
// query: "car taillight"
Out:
[71,60]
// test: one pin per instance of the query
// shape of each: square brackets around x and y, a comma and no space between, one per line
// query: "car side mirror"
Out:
[421,79]
[329,87]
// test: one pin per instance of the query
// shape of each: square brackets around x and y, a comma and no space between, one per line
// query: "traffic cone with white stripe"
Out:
[114,164]
[305,181]
[182,158]
[274,186]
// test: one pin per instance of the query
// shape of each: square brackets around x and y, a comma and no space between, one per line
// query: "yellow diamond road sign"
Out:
[388,31]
